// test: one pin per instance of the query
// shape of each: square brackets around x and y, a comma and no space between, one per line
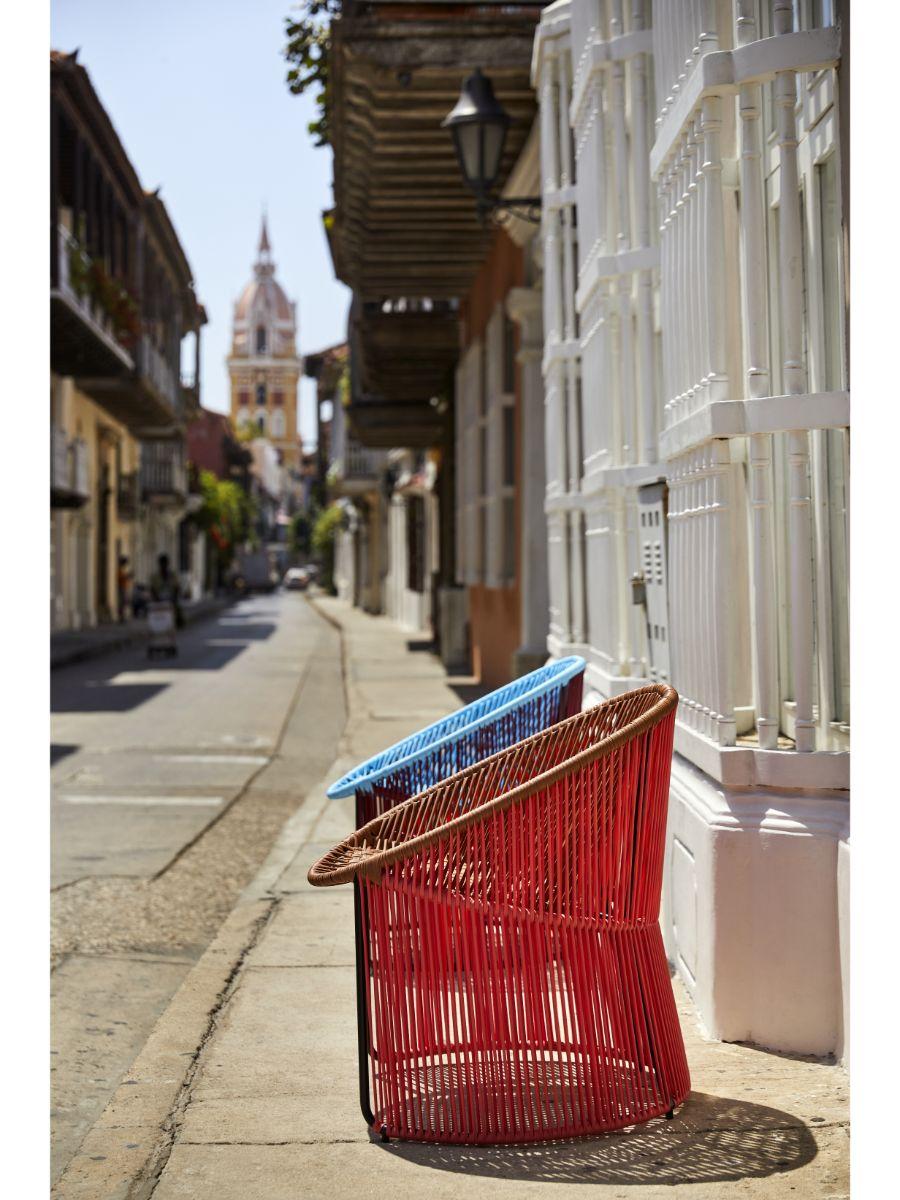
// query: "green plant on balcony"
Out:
[89,277]
[79,269]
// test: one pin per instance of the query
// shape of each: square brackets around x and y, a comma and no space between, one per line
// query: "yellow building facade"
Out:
[99,455]
[264,366]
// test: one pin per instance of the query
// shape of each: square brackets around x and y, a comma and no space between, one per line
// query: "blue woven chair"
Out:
[500,719]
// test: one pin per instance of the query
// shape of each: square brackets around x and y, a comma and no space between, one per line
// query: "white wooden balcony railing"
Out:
[685,31]
[754,416]
[90,311]
[691,348]
[159,372]
[359,462]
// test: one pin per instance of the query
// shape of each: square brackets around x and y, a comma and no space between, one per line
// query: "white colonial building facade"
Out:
[693,160]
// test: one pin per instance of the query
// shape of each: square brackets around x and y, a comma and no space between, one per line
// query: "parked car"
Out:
[296,579]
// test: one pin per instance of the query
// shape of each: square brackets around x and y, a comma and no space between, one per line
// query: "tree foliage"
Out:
[226,514]
[301,531]
[323,539]
[306,53]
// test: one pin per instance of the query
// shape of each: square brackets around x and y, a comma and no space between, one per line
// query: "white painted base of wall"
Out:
[344,571]
[843,1050]
[755,910]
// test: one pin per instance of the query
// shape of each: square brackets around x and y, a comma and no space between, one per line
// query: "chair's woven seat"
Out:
[516,985]
[472,733]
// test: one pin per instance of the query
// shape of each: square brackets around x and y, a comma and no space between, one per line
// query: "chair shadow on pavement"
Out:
[710,1140]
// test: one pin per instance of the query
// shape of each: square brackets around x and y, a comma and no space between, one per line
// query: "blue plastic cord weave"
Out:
[497,720]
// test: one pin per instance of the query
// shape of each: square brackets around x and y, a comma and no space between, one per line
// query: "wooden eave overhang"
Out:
[160,223]
[71,87]
[404,223]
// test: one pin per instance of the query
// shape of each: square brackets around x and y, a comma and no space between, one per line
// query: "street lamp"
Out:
[478,125]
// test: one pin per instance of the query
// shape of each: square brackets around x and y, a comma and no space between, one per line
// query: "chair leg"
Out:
[362,1025]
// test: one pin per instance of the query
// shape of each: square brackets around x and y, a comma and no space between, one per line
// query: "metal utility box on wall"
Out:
[652,500]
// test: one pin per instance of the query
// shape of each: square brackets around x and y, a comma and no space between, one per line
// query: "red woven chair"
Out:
[514,978]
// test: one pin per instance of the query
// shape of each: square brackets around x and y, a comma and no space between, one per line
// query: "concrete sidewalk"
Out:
[78,645]
[247,1088]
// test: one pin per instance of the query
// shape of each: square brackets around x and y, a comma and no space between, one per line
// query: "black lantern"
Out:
[478,125]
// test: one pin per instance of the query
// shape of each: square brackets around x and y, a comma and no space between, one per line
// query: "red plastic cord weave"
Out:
[517,983]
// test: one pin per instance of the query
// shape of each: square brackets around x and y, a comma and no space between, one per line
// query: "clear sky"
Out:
[196,92]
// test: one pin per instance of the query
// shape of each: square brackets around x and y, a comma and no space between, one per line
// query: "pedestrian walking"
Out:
[164,611]
[164,586]
[123,579]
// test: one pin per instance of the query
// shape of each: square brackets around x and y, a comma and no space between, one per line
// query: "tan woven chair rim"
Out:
[370,862]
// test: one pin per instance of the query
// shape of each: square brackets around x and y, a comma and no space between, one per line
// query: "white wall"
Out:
[409,608]
[695,372]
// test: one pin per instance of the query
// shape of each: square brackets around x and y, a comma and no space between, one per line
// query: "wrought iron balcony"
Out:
[163,476]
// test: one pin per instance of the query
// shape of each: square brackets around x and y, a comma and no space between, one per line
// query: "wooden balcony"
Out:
[404,233]
[122,296]
[147,400]
[83,336]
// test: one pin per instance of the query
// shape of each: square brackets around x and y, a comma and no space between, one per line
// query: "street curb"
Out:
[67,656]
[124,1152]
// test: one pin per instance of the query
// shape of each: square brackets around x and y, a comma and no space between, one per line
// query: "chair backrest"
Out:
[569,823]
[499,719]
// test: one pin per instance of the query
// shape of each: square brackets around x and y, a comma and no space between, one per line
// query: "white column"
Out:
[790,271]
[801,589]
[714,268]
[695,317]
[765,678]
[753,244]
[550,226]
[576,576]
[523,306]
[666,248]
[644,309]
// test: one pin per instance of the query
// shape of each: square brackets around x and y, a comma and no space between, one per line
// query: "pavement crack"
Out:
[59,887]
[146,1182]
[248,784]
